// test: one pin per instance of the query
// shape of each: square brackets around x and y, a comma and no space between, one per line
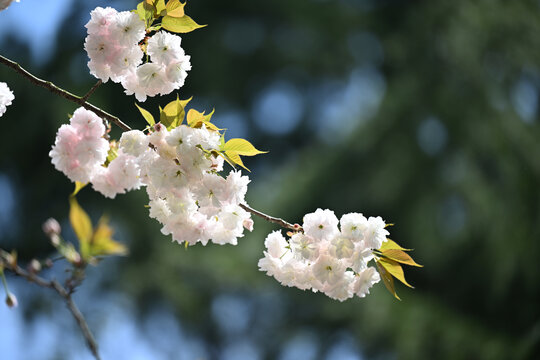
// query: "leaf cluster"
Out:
[389,258]
[168,15]
[173,115]
[93,243]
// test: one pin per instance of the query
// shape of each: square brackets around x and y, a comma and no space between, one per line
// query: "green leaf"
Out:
[182,24]
[102,242]
[241,147]
[233,158]
[145,12]
[389,244]
[388,280]
[399,256]
[395,269]
[175,8]
[160,7]
[172,115]
[196,119]
[146,115]
[78,187]
[81,224]
[113,152]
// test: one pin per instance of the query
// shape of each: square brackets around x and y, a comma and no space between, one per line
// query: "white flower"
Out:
[365,280]
[128,29]
[328,269]
[6,96]
[353,226]
[341,290]
[164,48]
[304,246]
[276,245]
[133,142]
[342,247]
[321,225]
[375,233]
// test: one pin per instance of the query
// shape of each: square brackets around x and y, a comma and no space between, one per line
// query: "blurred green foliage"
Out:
[451,156]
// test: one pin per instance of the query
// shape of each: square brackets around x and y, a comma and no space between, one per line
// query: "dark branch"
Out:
[64,294]
[272,219]
[82,101]
[91,91]
[65,94]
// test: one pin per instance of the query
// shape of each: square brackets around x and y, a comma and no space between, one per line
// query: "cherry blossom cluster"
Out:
[6,97]
[115,44]
[326,258]
[179,169]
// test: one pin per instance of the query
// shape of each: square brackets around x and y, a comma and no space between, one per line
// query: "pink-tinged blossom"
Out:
[133,142]
[6,97]
[79,148]
[113,47]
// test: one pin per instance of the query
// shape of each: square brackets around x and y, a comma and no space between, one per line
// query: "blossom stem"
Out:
[275,220]
[91,91]
[4,282]
[62,292]
[65,94]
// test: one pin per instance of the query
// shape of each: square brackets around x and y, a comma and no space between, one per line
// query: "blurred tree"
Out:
[424,112]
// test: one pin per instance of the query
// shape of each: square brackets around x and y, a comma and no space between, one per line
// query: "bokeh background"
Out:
[422,112]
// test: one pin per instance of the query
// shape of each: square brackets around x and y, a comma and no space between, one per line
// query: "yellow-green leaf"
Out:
[175,8]
[82,226]
[113,152]
[241,147]
[388,280]
[172,115]
[182,24]
[145,10]
[160,6]
[102,242]
[233,158]
[395,269]
[389,244]
[78,187]
[146,115]
[400,256]
[196,119]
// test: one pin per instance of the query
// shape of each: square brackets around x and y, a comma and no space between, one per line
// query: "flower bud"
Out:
[34,266]
[248,224]
[11,300]
[51,227]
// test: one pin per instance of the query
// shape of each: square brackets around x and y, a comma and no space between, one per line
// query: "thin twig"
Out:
[65,94]
[91,91]
[82,101]
[275,220]
[64,294]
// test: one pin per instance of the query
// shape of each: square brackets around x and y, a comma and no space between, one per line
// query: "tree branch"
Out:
[63,93]
[82,101]
[64,294]
[275,220]
[91,91]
